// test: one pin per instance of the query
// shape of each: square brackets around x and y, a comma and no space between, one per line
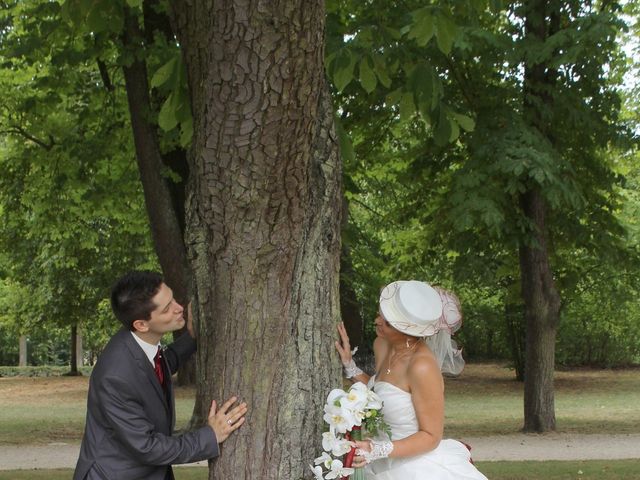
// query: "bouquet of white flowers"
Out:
[348,415]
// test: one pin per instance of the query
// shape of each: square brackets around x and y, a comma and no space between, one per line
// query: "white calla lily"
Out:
[356,398]
[339,419]
[325,459]
[337,446]
[338,470]
[334,396]
[317,472]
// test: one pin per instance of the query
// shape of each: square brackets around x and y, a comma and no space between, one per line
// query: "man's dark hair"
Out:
[131,296]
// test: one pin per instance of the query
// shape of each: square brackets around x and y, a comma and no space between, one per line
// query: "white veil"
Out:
[446,351]
[444,348]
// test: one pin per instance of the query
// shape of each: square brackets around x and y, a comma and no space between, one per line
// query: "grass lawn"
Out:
[487,400]
[484,400]
[41,410]
[584,470]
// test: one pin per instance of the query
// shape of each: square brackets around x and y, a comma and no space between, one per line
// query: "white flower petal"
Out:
[317,472]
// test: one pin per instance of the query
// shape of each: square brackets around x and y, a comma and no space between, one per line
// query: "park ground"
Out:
[597,412]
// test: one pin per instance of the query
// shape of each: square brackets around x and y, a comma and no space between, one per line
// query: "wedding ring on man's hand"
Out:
[229,422]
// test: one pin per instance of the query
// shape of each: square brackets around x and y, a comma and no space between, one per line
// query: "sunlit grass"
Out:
[42,410]
[487,400]
[484,400]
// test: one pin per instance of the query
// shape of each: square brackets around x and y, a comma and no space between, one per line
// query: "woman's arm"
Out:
[344,350]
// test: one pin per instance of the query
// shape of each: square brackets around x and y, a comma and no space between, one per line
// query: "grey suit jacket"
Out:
[130,419]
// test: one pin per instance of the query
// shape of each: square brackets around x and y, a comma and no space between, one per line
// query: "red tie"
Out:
[157,362]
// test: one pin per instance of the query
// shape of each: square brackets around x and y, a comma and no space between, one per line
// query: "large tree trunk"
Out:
[263,216]
[164,202]
[539,292]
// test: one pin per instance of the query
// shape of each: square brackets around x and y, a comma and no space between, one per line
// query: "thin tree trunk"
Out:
[73,363]
[263,219]
[540,294]
[22,356]
[79,348]
[165,228]
[164,203]
[542,313]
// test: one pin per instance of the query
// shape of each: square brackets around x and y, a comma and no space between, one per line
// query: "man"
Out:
[130,407]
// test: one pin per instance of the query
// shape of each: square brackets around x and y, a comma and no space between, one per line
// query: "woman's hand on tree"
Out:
[342,346]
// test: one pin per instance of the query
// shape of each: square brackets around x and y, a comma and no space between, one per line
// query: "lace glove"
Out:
[379,449]
[351,369]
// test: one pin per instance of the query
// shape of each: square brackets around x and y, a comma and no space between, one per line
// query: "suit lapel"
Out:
[145,367]
[169,396]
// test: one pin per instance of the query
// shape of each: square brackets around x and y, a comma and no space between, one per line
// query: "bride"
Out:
[412,348]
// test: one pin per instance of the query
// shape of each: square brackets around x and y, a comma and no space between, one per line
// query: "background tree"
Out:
[71,215]
[546,135]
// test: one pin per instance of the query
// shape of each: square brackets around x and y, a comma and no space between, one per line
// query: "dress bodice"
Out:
[397,409]
[450,460]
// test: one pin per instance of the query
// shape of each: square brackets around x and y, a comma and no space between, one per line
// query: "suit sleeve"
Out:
[179,351]
[127,417]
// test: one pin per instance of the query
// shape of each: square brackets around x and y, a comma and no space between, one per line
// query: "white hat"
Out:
[412,307]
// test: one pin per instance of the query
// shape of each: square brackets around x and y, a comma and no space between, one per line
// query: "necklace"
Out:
[393,356]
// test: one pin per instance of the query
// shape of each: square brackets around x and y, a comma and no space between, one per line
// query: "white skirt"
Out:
[451,460]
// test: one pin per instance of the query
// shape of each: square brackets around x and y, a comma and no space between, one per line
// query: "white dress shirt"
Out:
[149,349]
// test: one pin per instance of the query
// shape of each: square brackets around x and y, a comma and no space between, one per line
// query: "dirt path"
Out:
[507,447]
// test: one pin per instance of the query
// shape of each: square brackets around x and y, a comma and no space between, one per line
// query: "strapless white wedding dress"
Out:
[449,461]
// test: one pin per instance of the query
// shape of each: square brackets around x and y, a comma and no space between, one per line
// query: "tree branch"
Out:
[104,74]
[16,130]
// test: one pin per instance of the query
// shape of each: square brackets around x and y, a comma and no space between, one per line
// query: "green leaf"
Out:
[381,71]
[407,106]
[165,73]
[392,32]
[421,81]
[367,76]
[134,3]
[455,129]
[423,28]
[186,132]
[167,117]
[394,97]
[346,146]
[446,32]
[344,64]
[467,123]
[443,129]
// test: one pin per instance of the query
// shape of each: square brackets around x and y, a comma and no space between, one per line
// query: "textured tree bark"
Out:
[263,217]
[540,294]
